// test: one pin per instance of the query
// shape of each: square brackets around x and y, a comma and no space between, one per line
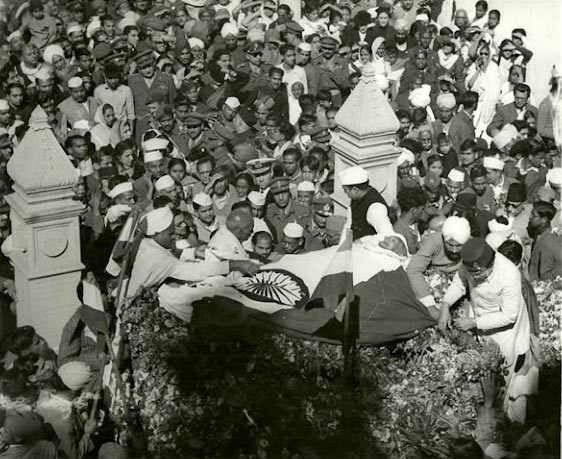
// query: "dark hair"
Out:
[469,144]
[495,12]
[116,180]
[310,161]
[403,114]
[273,70]
[293,152]
[519,30]
[261,235]
[124,145]
[284,48]
[432,159]
[13,85]
[176,162]
[410,198]
[522,87]
[482,3]
[511,250]
[442,137]
[477,171]
[469,99]
[246,176]
[70,140]
[162,201]
[112,70]
[413,145]
[241,205]
[21,339]
[520,124]
[465,448]
[305,119]
[545,210]
[324,94]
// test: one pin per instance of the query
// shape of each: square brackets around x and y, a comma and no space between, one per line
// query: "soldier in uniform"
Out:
[334,70]
[149,81]
[368,212]
[167,125]
[261,170]
[254,68]
[316,233]
[283,209]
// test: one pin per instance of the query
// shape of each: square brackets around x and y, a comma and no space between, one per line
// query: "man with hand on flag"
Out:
[155,263]
[368,212]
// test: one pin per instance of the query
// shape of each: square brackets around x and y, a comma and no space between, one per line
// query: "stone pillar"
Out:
[367,127]
[45,231]
[295,6]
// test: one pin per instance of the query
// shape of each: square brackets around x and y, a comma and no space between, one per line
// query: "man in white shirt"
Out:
[293,73]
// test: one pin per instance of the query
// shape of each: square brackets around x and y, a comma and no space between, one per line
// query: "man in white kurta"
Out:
[499,312]
[155,263]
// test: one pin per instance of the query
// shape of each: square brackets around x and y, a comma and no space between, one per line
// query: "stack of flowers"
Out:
[549,296]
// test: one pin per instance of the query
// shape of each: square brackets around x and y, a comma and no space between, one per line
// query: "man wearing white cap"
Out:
[455,182]
[304,52]
[205,220]
[293,238]
[155,263]
[229,123]
[166,186]
[497,179]
[123,198]
[154,164]
[441,251]
[79,106]
[368,212]
[305,193]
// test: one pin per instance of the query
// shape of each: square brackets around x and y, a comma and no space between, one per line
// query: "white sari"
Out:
[487,86]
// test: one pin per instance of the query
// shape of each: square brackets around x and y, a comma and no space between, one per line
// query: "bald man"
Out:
[226,243]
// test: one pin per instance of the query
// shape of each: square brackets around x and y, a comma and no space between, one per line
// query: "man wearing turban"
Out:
[441,251]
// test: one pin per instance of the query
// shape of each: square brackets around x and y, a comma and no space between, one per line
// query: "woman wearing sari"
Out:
[515,76]
[483,78]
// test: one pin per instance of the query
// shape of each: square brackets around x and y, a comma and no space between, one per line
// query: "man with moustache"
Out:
[441,251]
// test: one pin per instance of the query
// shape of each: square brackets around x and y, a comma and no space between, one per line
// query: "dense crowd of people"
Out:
[206,127]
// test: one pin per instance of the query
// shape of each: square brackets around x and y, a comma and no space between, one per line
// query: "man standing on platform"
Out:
[368,212]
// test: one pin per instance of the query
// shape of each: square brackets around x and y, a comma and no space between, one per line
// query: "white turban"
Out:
[229,29]
[446,101]
[490,162]
[420,97]
[50,52]
[196,43]
[496,227]
[405,156]
[75,375]
[457,229]
[158,220]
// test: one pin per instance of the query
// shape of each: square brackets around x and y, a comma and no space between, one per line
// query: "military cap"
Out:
[272,36]
[101,51]
[161,11]
[254,47]
[144,56]
[329,43]
[115,57]
[320,134]
[465,201]
[260,166]
[323,205]
[293,27]
[279,185]
[476,254]
[75,6]
[164,111]
[154,23]
[194,119]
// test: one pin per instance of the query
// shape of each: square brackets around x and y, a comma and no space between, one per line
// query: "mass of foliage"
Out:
[272,396]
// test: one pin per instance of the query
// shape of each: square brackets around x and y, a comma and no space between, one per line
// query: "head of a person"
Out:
[30,55]
[25,341]
[443,143]
[310,168]
[469,101]
[293,238]
[108,114]
[276,78]
[262,244]
[241,224]
[425,137]
[411,201]
[204,169]
[481,8]
[456,232]
[478,259]
[494,17]
[511,250]
[77,147]
[455,182]
[461,19]
[405,120]
[203,206]
[281,193]
[521,93]
[291,158]
[435,165]
[479,180]
[469,153]
[244,183]
[541,216]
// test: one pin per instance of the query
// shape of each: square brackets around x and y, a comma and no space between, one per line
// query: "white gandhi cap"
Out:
[456,176]
[203,200]
[493,163]
[121,188]
[293,230]
[306,186]
[75,82]
[164,182]
[257,199]
[158,220]
[354,175]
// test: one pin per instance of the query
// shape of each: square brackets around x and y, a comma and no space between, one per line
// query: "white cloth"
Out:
[294,75]
[499,308]
[154,264]
[224,246]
